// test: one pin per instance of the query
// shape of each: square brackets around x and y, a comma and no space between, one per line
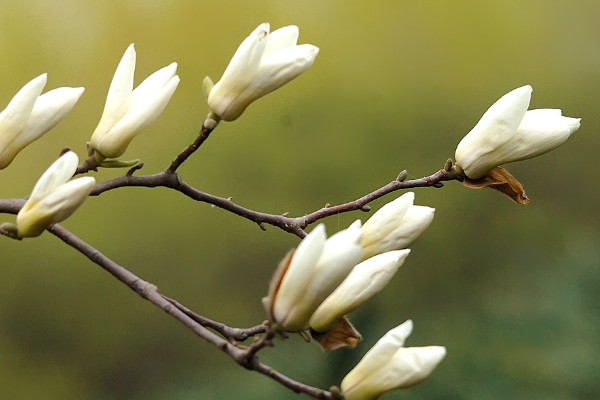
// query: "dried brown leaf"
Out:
[501,180]
[343,334]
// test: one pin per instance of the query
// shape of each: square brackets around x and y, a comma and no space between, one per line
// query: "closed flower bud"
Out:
[389,366]
[128,111]
[263,62]
[507,132]
[28,116]
[395,226]
[364,281]
[54,198]
[317,267]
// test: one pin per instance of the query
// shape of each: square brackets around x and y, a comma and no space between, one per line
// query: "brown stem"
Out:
[188,151]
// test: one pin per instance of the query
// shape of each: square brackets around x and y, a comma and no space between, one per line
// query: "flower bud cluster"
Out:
[324,279]
[30,114]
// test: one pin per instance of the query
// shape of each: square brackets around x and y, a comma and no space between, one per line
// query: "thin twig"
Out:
[188,151]
[237,334]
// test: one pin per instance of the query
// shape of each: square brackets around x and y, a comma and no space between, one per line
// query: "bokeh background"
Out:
[510,290]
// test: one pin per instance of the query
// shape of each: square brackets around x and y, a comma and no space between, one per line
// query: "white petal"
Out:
[245,61]
[282,38]
[364,281]
[389,365]
[299,273]
[377,357]
[48,110]
[475,153]
[341,253]
[15,116]
[53,198]
[62,202]
[114,142]
[152,84]
[57,174]
[408,229]
[386,219]
[277,69]
[119,95]
[410,366]
[541,131]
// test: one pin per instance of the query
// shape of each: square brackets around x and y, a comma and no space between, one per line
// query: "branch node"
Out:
[402,176]
[449,165]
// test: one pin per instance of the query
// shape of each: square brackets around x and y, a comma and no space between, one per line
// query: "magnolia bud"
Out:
[128,111]
[507,132]
[54,197]
[395,225]
[28,116]
[364,281]
[390,366]
[263,62]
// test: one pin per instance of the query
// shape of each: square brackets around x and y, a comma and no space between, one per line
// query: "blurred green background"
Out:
[510,290]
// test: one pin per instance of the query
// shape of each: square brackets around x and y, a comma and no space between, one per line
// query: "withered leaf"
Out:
[501,180]
[343,334]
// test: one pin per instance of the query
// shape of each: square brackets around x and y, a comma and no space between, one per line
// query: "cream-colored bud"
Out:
[127,111]
[54,197]
[507,132]
[262,63]
[29,115]
[395,225]
[364,281]
[389,366]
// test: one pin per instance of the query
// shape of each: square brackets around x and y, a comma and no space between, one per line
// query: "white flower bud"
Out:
[28,115]
[54,197]
[128,111]
[364,281]
[507,132]
[395,225]
[262,63]
[316,269]
[390,366]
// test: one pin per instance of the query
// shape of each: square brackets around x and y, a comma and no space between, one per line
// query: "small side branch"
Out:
[188,151]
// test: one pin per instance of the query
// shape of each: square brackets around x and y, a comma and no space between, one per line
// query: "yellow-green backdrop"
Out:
[510,290]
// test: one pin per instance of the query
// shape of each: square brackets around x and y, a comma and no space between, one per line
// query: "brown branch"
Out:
[292,225]
[245,357]
[288,224]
